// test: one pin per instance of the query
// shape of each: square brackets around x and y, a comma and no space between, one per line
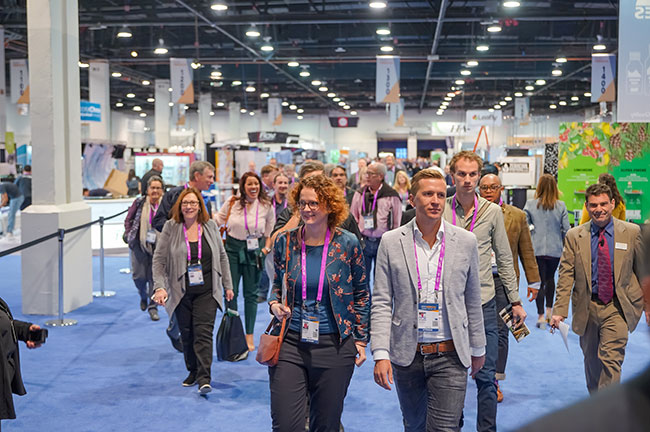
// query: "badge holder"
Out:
[252,243]
[309,330]
[368,222]
[195,274]
[151,236]
[428,317]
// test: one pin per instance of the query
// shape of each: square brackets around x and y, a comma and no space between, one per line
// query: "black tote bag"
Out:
[230,340]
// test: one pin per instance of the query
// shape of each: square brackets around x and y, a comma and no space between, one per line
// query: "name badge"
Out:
[368,222]
[309,330]
[151,236]
[252,243]
[195,274]
[428,317]
[621,246]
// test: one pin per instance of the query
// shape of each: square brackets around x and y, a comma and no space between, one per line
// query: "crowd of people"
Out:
[438,249]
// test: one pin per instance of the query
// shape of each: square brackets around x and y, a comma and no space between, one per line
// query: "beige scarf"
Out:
[145,226]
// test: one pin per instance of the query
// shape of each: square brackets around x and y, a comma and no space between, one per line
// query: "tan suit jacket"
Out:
[575,274]
[521,244]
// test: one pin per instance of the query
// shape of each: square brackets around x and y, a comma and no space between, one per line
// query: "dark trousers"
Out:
[243,268]
[501,301]
[370,254]
[196,314]
[263,288]
[145,289]
[487,389]
[319,372]
[547,266]
[431,392]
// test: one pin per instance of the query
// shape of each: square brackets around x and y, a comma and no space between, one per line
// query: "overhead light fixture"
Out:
[236,83]
[119,104]
[529,88]
[575,98]
[252,113]
[304,73]
[540,82]
[443,107]
[171,104]
[346,107]
[322,89]
[219,6]
[143,114]
[562,103]
[588,94]
[383,31]
[336,99]
[465,72]
[459,82]
[124,32]
[507,98]
[216,74]
[561,59]
[600,47]
[482,47]
[211,113]
[161,49]
[340,50]
[342,103]
[440,113]
[451,94]
[146,82]
[300,117]
[511,4]
[377,4]
[243,110]
[300,110]
[556,72]
[267,47]
[250,88]
[169,89]
[529,93]
[503,103]
[552,106]
[83,65]
[150,100]
[116,74]
[472,63]
[130,95]
[195,64]
[331,95]
[186,107]
[264,95]
[518,94]
[494,28]
[293,107]
[497,107]
[253,32]
[134,53]
[220,104]
[353,113]
[285,103]
[137,108]
[386,48]
[447,98]
[316,83]
[445,103]
[293,63]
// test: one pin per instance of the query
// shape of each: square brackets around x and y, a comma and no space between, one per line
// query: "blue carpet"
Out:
[116,371]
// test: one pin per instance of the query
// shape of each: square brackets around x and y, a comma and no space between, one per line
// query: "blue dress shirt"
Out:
[609,237]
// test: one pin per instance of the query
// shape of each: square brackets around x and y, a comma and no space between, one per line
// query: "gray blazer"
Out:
[549,227]
[393,319]
[170,263]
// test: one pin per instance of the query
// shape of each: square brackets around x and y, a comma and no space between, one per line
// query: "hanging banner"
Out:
[182,80]
[3,87]
[603,73]
[522,108]
[483,118]
[10,142]
[387,84]
[275,111]
[19,75]
[91,111]
[634,76]
[397,113]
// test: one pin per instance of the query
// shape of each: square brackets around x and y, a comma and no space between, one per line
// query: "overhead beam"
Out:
[434,49]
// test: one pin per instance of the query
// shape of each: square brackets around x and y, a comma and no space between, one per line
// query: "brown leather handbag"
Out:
[268,350]
[222,229]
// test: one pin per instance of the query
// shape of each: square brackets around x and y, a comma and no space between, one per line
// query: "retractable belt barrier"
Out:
[60,234]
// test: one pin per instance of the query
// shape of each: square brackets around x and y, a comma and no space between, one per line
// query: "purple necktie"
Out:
[605,291]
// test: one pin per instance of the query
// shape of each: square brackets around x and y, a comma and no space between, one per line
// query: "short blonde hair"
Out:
[465,154]
[428,173]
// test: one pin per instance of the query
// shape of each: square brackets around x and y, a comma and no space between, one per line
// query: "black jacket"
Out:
[145,180]
[9,385]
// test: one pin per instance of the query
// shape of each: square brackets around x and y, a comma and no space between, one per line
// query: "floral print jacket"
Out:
[346,279]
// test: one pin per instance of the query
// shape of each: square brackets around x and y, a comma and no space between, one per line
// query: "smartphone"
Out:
[38,336]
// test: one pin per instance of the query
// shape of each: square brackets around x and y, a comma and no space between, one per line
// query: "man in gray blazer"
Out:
[426,318]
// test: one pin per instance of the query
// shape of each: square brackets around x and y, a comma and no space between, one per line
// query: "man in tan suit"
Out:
[600,270]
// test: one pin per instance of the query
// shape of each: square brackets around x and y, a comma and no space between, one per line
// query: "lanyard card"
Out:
[428,317]
[195,274]
[309,330]
[252,243]
[151,236]
[368,222]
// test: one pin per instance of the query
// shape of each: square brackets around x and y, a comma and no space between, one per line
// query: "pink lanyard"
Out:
[500,201]
[374,201]
[257,213]
[440,261]
[471,228]
[152,212]
[187,243]
[323,263]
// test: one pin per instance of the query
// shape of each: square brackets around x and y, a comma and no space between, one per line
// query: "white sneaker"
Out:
[205,389]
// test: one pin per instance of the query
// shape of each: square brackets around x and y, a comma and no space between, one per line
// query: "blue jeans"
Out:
[370,254]
[431,392]
[14,206]
[487,389]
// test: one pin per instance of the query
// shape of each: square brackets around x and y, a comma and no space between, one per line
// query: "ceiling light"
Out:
[465,72]
[220,104]
[560,60]
[146,82]
[130,95]
[511,4]
[171,104]
[451,94]
[445,103]
[150,100]
[459,82]
[331,95]
[300,110]
[116,74]
[336,99]
[216,73]
[443,107]
[447,98]
[137,108]
[253,32]
[83,65]
[507,98]
[600,47]
[472,63]
[453,88]
[236,83]
[562,103]
[161,48]
[252,113]
[134,53]
[186,107]
[588,94]
[341,103]
[124,32]
[503,103]
[195,64]
[346,107]
[353,113]
[250,88]
[552,106]
[497,107]
[540,82]
[119,105]
[211,113]
[264,95]
[143,114]
[243,110]
[299,117]
[491,110]
[383,31]
[304,73]
[267,48]
[285,103]
[377,4]
[322,89]
[316,83]
[494,28]
[518,94]
[293,107]
[482,47]
[219,6]
[529,88]
[529,93]
[169,89]
[440,113]
[575,98]
[293,63]
[386,48]
[557,72]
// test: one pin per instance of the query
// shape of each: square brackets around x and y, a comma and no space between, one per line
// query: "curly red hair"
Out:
[328,193]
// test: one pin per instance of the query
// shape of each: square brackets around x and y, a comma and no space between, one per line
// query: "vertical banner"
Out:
[522,108]
[205,127]
[233,119]
[397,113]
[99,93]
[3,86]
[387,84]
[603,74]
[162,113]
[10,143]
[634,55]
[275,111]
[182,80]
[19,75]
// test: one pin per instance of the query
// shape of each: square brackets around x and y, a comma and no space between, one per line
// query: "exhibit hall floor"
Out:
[116,370]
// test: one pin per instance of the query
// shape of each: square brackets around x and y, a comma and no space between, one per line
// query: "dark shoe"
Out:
[205,388]
[143,305]
[153,313]
[190,380]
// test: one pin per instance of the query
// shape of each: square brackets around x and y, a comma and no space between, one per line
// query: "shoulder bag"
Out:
[222,229]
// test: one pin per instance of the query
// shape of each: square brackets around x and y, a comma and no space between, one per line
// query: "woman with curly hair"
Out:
[619,203]
[327,309]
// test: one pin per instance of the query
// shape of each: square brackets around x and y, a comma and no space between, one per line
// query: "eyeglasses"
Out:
[492,188]
[189,203]
[370,173]
[313,205]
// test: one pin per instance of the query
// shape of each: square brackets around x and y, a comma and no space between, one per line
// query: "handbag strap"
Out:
[284,300]
[232,203]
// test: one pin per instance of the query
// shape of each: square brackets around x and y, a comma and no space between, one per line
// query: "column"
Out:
[3,87]
[99,90]
[233,120]
[53,41]
[205,128]
[162,113]
[412,146]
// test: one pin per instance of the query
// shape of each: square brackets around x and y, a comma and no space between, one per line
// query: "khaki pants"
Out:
[603,344]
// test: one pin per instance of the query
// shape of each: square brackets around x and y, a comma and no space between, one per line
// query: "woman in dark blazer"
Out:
[11,381]
[326,333]
[190,274]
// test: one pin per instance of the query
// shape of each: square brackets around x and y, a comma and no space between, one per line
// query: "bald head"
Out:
[490,188]
[157,164]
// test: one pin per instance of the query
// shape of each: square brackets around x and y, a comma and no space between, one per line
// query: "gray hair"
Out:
[381,168]
[199,167]
[154,179]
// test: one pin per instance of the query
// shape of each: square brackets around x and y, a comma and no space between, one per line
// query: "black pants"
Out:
[504,333]
[547,266]
[196,313]
[319,372]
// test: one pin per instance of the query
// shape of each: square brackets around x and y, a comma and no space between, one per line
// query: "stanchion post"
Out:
[101,292]
[61,322]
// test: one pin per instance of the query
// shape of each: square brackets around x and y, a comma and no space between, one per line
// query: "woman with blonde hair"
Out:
[619,203]
[549,222]
[402,186]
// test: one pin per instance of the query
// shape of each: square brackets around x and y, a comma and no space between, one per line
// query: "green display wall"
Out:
[622,149]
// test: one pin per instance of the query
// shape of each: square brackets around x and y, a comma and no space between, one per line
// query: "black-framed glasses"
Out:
[492,188]
[189,203]
[313,205]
